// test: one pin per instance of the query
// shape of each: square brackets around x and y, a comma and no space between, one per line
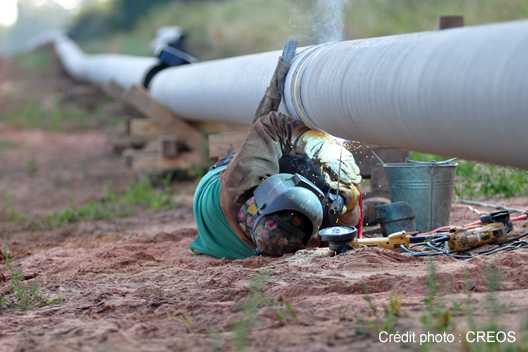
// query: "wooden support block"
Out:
[446,22]
[223,144]
[113,89]
[169,146]
[120,139]
[139,98]
[146,128]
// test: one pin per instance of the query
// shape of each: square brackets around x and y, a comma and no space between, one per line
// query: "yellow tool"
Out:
[463,240]
[395,240]
[342,238]
[458,239]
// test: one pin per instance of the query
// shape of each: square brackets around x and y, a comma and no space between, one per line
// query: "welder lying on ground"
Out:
[258,203]
[280,188]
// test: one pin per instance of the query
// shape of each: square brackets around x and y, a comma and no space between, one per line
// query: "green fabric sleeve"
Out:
[215,236]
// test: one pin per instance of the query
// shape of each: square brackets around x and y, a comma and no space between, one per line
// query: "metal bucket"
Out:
[427,187]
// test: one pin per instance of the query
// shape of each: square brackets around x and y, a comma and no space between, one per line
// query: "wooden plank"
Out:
[120,140]
[146,128]
[169,146]
[139,98]
[223,144]
[130,154]
[446,22]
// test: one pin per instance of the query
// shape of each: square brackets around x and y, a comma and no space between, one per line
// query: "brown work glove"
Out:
[272,98]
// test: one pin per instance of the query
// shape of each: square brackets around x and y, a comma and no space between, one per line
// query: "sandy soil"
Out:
[132,284]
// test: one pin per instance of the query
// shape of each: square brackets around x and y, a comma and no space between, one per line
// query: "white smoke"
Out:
[328,21]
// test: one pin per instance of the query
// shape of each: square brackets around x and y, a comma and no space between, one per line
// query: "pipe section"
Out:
[100,69]
[227,90]
[459,92]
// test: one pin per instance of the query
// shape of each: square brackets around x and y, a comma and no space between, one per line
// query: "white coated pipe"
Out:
[227,90]
[101,68]
[458,92]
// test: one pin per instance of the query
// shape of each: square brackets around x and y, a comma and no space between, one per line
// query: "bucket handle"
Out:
[381,161]
[434,162]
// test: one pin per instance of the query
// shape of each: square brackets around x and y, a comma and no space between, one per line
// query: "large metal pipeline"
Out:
[101,68]
[459,92]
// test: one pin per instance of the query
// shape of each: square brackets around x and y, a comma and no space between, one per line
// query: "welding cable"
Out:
[466,255]
[479,223]
[470,202]
[442,240]
[508,240]
[446,228]
[419,254]
[510,247]
[439,239]
[425,254]
[471,225]
[437,251]
[434,246]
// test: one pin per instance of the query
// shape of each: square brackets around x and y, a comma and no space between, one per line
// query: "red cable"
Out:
[522,217]
[360,225]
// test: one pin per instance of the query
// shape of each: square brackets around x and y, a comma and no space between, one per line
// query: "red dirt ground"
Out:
[132,284]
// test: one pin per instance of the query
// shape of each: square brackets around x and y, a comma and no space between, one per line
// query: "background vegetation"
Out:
[235,27]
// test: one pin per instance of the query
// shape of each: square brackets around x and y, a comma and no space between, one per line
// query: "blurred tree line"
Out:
[103,18]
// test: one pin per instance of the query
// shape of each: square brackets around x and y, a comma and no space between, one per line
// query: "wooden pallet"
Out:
[156,140]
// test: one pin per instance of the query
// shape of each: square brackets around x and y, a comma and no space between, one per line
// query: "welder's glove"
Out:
[325,151]
[350,194]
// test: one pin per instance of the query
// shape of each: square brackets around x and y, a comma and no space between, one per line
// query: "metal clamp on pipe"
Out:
[169,56]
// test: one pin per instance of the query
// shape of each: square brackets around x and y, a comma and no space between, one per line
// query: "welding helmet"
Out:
[284,213]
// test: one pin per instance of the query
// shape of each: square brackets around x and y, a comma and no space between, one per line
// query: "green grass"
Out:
[476,180]
[7,213]
[28,294]
[6,143]
[443,315]
[57,118]
[141,195]
[250,306]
